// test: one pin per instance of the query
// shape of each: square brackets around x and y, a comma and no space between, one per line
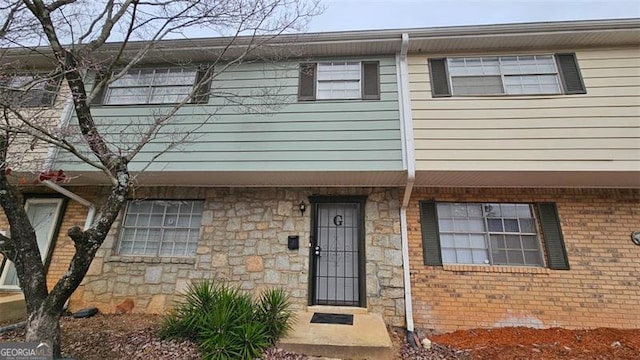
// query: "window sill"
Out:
[151,260]
[496,269]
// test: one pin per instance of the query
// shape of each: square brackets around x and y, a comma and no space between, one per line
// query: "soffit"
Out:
[251,178]
[588,179]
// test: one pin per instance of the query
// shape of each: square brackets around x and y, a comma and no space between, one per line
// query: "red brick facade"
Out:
[602,287]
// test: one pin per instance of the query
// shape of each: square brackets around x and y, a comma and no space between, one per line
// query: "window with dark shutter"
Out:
[570,74]
[439,78]
[553,240]
[307,82]
[371,80]
[430,235]
[491,234]
[203,85]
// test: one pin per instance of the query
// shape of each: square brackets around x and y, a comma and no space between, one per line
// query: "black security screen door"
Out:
[336,252]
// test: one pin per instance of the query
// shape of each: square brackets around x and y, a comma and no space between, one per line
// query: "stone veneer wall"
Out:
[244,241]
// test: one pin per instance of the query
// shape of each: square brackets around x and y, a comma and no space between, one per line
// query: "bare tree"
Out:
[77,38]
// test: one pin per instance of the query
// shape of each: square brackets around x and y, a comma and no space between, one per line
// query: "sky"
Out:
[396,14]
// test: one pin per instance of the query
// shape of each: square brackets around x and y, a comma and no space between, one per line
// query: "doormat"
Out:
[323,318]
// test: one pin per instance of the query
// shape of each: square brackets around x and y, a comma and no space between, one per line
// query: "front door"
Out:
[337,251]
[43,215]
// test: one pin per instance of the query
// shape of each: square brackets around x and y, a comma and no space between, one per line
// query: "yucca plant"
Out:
[274,310]
[226,323]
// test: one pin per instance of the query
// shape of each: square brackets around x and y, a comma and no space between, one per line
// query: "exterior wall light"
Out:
[302,207]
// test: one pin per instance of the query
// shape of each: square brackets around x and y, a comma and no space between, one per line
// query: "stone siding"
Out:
[244,242]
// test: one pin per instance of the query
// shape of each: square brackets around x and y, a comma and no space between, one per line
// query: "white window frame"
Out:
[141,229]
[337,81]
[502,74]
[486,233]
[151,86]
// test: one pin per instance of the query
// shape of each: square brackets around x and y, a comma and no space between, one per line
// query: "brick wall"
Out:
[602,287]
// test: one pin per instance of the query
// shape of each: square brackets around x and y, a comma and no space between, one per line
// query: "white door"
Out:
[43,215]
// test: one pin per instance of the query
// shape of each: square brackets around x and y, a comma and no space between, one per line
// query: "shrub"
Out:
[226,323]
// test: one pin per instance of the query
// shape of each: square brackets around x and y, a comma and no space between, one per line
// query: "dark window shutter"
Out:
[371,80]
[439,78]
[570,74]
[203,85]
[307,83]
[430,234]
[99,98]
[552,234]
[51,90]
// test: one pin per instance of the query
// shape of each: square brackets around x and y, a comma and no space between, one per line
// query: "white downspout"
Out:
[406,120]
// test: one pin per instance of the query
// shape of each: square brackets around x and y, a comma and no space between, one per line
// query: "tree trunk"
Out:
[44,326]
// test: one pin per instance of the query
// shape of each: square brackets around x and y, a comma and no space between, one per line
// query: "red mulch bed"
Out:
[554,343]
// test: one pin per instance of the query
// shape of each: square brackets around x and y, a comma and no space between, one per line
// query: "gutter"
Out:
[406,121]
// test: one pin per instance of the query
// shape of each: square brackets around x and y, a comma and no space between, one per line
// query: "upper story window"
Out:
[491,234]
[506,75]
[161,228]
[169,85]
[29,90]
[342,80]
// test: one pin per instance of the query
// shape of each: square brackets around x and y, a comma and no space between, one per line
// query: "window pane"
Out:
[459,210]
[532,84]
[445,224]
[474,210]
[530,243]
[497,242]
[513,241]
[523,210]
[511,225]
[527,226]
[444,209]
[532,258]
[495,225]
[464,256]
[476,225]
[462,241]
[480,256]
[477,85]
[515,257]
[499,257]
[478,241]
[157,229]
[446,240]
[448,256]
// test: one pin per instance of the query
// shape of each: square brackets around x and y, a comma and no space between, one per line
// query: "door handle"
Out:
[317,250]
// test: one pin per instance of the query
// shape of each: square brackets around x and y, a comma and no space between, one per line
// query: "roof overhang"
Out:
[451,39]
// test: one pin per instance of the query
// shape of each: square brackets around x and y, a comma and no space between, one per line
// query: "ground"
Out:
[134,336]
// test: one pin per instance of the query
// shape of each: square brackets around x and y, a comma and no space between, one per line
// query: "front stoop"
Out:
[367,338]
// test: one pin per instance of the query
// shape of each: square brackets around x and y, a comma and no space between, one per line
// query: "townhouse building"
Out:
[444,178]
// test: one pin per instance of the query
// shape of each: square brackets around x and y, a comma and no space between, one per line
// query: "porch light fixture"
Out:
[302,207]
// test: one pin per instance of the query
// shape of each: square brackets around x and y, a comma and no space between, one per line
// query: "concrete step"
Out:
[367,338]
